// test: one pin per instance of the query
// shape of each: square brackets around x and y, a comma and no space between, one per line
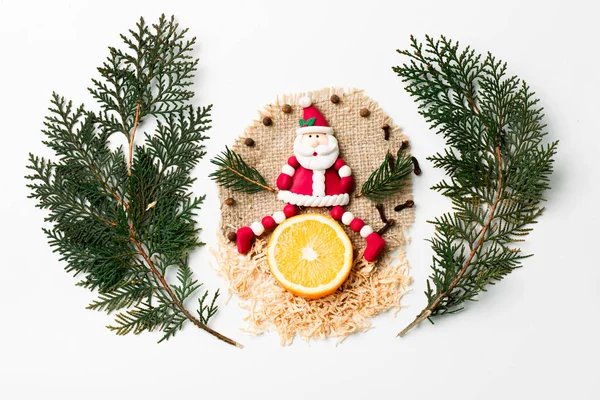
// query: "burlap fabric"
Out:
[370,289]
[362,146]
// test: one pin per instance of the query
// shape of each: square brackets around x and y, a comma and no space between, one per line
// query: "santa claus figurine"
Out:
[315,176]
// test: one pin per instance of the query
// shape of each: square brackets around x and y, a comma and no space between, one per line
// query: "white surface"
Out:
[534,335]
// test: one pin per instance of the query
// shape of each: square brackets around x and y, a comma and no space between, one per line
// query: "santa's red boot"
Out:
[375,242]
[244,238]
[375,245]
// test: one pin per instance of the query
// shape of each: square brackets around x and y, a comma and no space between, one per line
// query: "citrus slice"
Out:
[310,255]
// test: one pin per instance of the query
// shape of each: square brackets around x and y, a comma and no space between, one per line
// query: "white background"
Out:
[534,335]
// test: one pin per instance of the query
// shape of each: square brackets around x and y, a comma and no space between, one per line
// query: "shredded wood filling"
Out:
[369,290]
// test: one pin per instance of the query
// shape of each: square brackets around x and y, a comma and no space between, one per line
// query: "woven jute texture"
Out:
[370,289]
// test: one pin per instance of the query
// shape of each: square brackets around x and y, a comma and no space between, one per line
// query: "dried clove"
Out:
[404,145]
[406,204]
[386,131]
[388,222]
[387,226]
[416,168]
[381,211]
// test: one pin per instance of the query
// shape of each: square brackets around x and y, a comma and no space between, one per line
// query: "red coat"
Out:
[302,186]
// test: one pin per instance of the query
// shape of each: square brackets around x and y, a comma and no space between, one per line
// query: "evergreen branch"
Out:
[497,165]
[233,173]
[123,220]
[388,179]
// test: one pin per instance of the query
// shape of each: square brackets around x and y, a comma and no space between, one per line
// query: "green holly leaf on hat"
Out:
[309,122]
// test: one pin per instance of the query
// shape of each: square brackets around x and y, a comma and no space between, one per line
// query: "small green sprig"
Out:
[497,164]
[388,179]
[235,174]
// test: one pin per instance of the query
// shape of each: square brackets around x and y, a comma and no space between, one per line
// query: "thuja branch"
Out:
[497,165]
[123,219]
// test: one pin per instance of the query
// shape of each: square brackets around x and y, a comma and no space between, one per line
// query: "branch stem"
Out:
[132,138]
[422,317]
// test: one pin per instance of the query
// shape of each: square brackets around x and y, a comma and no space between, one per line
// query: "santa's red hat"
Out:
[313,121]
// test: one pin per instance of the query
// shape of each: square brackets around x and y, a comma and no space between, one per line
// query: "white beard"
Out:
[325,158]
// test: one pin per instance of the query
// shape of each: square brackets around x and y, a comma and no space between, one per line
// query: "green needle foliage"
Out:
[388,179]
[497,166]
[123,218]
[235,174]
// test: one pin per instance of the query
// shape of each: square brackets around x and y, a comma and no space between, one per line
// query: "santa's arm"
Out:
[284,181]
[345,173]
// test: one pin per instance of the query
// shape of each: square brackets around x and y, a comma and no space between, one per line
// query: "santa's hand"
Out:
[347,184]
[344,171]
[284,181]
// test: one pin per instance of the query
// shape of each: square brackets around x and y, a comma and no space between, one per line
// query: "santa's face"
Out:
[314,139]
[316,151]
